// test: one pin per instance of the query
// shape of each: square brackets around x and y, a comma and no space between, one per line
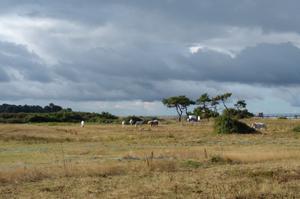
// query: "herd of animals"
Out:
[138,123]
[191,118]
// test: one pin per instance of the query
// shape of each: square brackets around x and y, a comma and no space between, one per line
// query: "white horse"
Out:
[259,125]
[192,118]
[199,118]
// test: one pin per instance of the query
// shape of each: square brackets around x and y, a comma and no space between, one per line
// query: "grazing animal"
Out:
[123,123]
[131,122]
[139,123]
[82,124]
[259,125]
[153,123]
[192,118]
[199,118]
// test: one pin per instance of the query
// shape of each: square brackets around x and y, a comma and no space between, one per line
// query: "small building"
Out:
[261,115]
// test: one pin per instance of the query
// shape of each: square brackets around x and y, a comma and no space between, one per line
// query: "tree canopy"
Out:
[180,103]
[208,107]
[240,104]
[205,103]
[223,98]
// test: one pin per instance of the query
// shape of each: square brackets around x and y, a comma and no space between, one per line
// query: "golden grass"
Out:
[37,174]
[256,156]
[170,161]
[21,175]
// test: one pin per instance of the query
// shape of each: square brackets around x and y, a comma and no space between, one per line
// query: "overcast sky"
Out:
[125,56]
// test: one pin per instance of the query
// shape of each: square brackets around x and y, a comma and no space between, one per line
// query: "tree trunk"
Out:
[179,112]
[186,111]
[224,105]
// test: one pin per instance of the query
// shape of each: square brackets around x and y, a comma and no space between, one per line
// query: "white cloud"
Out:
[237,39]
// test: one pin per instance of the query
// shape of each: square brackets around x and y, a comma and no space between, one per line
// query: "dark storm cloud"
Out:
[269,64]
[269,14]
[138,74]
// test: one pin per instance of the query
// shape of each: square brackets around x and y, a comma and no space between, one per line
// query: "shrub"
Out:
[219,159]
[192,164]
[282,118]
[296,129]
[40,118]
[238,114]
[225,125]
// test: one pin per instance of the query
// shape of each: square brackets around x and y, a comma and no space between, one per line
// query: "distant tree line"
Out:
[11,108]
[62,116]
[50,113]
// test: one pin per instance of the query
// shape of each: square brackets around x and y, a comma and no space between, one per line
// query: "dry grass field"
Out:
[169,161]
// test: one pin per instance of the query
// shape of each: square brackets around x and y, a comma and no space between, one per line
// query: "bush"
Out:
[225,125]
[62,116]
[238,114]
[282,118]
[217,159]
[40,118]
[192,164]
[296,129]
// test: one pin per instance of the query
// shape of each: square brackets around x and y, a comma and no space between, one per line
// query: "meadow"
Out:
[172,160]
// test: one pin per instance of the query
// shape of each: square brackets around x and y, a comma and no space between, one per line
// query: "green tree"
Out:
[240,111]
[240,105]
[203,110]
[51,108]
[203,100]
[223,98]
[214,104]
[180,103]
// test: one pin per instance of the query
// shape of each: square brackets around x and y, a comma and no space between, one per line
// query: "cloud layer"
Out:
[141,51]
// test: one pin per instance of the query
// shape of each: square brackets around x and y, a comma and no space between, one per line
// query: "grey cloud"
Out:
[269,64]
[18,58]
[265,64]
[3,75]
[138,74]
[268,14]
[117,50]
